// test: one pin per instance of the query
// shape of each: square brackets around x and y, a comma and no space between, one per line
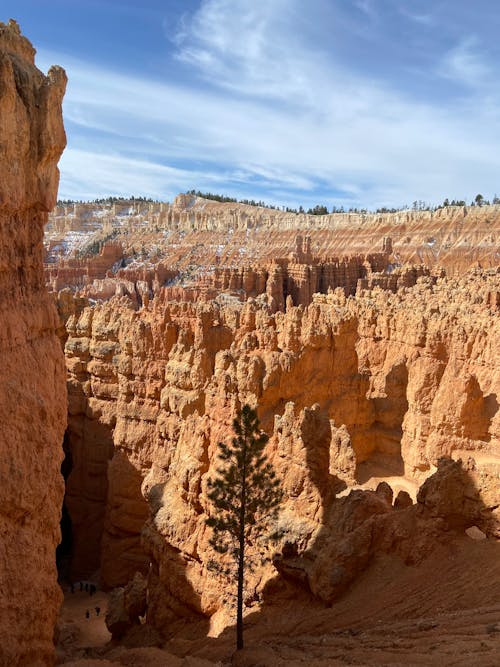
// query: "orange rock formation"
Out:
[32,388]
[372,370]
[369,344]
[353,390]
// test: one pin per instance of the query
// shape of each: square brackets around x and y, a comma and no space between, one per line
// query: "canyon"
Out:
[369,345]
[392,382]
[201,247]
[369,374]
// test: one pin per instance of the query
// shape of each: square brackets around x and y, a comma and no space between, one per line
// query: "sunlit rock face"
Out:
[32,387]
[352,390]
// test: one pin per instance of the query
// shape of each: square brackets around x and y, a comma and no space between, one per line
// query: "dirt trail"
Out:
[78,630]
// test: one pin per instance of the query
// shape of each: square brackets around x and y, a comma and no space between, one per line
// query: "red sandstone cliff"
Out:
[32,387]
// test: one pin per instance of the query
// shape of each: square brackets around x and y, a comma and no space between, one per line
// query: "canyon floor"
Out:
[446,611]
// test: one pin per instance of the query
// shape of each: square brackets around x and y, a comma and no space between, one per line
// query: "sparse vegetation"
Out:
[246,495]
[94,247]
[318,209]
[224,199]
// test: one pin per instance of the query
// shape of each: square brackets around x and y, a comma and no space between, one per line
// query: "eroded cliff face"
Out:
[32,387]
[352,390]
[193,232]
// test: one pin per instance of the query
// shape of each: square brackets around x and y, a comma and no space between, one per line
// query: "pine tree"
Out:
[246,495]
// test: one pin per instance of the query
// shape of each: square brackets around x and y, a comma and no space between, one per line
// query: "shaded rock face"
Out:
[32,387]
[349,389]
[126,605]
[364,524]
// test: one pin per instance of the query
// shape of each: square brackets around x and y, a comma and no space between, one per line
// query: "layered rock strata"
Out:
[79,272]
[32,387]
[352,390]
[197,232]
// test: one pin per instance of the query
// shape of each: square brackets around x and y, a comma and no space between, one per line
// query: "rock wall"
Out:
[80,272]
[32,387]
[352,390]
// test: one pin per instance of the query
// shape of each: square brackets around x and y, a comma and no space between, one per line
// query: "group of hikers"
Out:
[84,586]
[89,588]
[97,612]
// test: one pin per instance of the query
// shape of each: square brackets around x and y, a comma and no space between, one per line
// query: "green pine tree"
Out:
[246,495]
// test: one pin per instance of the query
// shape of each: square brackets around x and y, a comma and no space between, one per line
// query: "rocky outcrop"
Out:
[298,277]
[352,390]
[125,606]
[32,387]
[81,271]
[357,528]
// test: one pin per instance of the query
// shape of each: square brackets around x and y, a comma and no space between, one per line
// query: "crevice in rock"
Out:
[64,550]
[90,441]
[390,408]
[478,412]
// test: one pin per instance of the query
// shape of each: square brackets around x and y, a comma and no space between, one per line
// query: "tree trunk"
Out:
[241,556]
[239,613]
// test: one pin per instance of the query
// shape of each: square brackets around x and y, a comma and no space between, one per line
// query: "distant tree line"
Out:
[224,200]
[107,200]
[417,205]
[319,209]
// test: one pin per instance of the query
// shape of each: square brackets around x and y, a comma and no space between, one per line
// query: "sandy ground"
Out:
[442,613]
[78,631]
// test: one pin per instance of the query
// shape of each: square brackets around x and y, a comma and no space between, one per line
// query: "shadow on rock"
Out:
[367,523]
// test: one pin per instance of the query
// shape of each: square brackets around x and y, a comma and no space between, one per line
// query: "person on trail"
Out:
[97,611]
[87,614]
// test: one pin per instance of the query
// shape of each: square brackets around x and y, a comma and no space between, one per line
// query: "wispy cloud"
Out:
[263,111]
[367,7]
[247,48]
[426,19]
[87,174]
[466,65]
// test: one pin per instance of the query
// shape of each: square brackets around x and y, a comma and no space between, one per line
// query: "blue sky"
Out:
[344,102]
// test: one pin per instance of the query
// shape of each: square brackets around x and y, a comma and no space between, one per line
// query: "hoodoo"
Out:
[32,386]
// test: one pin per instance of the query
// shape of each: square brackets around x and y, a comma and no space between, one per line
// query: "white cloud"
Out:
[423,19]
[367,7]
[252,49]
[86,174]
